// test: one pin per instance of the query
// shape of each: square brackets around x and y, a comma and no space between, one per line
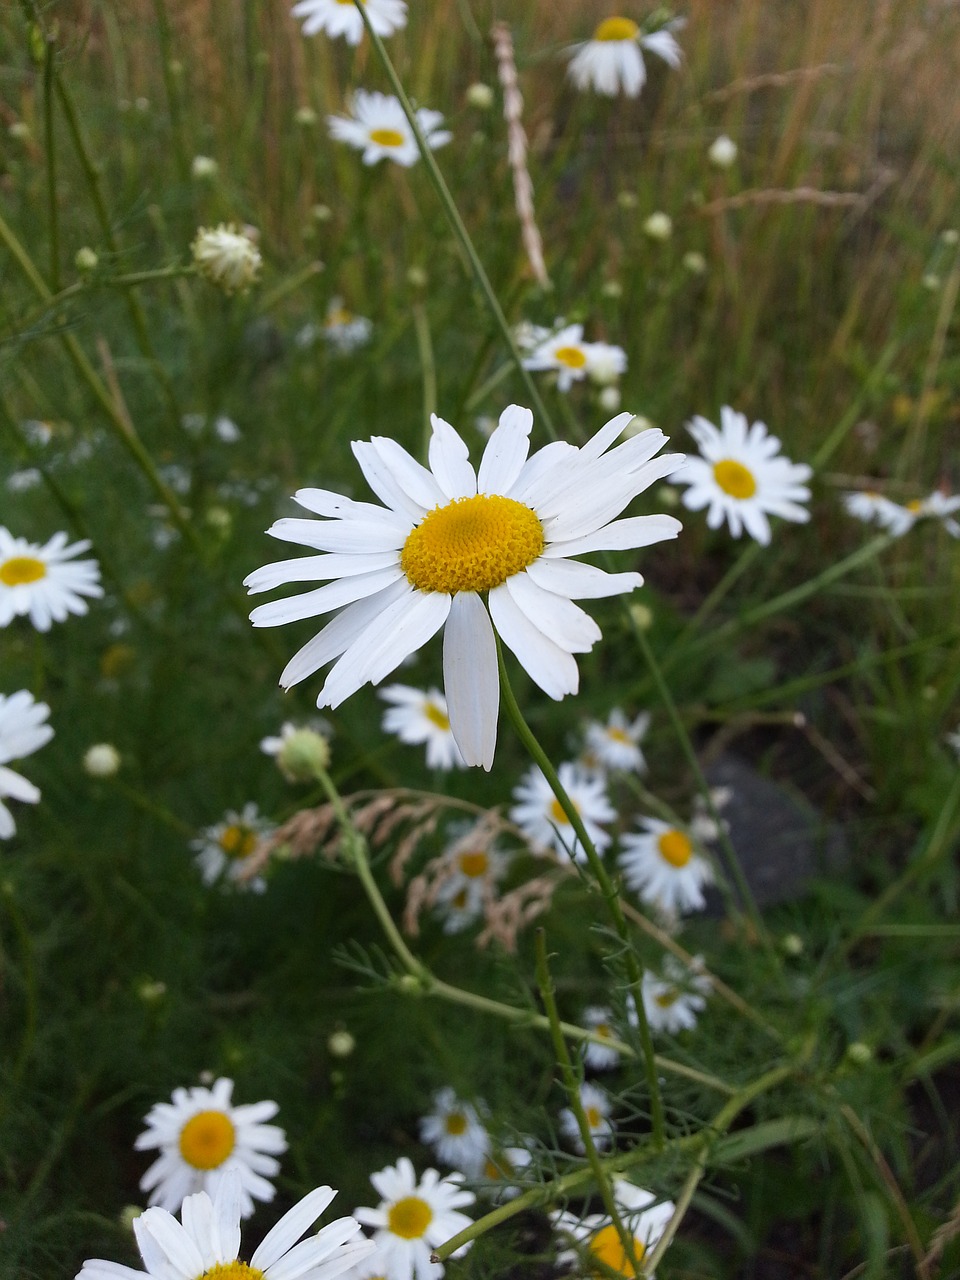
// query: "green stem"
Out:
[170,85]
[428,368]
[53,212]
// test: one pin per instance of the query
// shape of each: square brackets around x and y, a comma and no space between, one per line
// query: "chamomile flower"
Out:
[412,1219]
[502,1173]
[596,1107]
[337,18]
[22,731]
[224,850]
[205,1243]
[673,1002]
[466,551]
[871,507]
[612,62]
[473,867]
[344,331]
[377,126]
[599,1020]
[565,353]
[455,1132]
[540,817]
[596,1239]
[227,256]
[899,519]
[44,583]
[420,716]
[615,746]
[201,1137]
[662,866]
[740,477]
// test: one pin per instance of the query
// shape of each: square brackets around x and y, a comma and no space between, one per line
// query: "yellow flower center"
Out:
[557,814]
[619,735]
[231,1271]
[616,29]
[572,357]
[436,716]
[604,1030]
[456,1124]
[387,137]
[238,841]
[914,505]
[667,998]
[607,1247]
[594,1118]
[19,570]
[675,848]
[491,1169]
[207,1139]
[734,478]
[474,865]
[340,317]
[409,1218]
[471,544]
[459,900]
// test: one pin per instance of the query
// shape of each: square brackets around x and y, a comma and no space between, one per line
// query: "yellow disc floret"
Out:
[20,570]
[231,1271]
[572,357]
[607,1247]
[616,29]
[409,1218]
[734,478]
[474,864]
[436,716]
[471,544]
[238,841]
[456,1124]
[387,137]
[675,848]
[207,1139]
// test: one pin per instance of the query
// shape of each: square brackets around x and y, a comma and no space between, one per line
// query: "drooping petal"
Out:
[580,581]
[380,476]
[164,1244]
[620,535]
[291,1227]
[471,680]
[450,461]
[347,536]
[317,569]
[340,633]
[333,596]
[549,666]
[556,616]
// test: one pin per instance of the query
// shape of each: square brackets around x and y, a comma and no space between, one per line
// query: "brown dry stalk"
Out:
[775,80]
[517,150]
[801,195]
[947,1231]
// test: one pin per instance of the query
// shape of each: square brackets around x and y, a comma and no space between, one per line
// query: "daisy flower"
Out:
[539,816]
[899,519]
[417,716]
[661,865]
[565,353]
[377,126]
[595,1237]
[22,731]
[599,1020]
[225,849]
[503,1170]
[596,1107]
[206,1242]
[44,583]
[615,746]
[672,1002]
[470,875]
[412,1219]
[871,507]
[741,478]
[455,1132]
[201,1138]
[344,331]
[612,62]
[466,551]
[342,17]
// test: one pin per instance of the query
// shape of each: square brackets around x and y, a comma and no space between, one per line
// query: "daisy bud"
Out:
[341,1044]
[722,152]
[417,278]
[19,131]
[642,616]
[694,262]
[127,1215]
[151,992]
[204,167]
[859,1053]
[321,213]
[627,200]
[791,944]
[305,117]
[226,256]
[612,289]
[609,399]
[931,281]
[951,236]
[480,96]
[303,755]
[659,226]
[102,760]
[85,259]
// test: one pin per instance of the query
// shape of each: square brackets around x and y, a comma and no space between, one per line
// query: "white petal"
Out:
[324,503]
[348,536]
[450,461]
[556,616]
[333,596]
[543,471]
[163,1243]
[17,787]
[316,569]
[470,678]
[506,450]
[339,633]
[380,477]
[605,437]
[551,667]
[620,535]
[291,1227]
[579,581]
[228,1200]
[415,480]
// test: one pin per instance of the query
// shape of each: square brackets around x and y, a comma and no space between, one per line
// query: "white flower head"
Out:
[102,760]
[565,353]
[899,519]
[223,851]
[473,867]
[337,18]
[874,508]
[658,226]
[377,126]
[502,1173]
[596,1238]
[201,1137]
[456,1133]
[412,1219]
[344,331]
[596,1108]
[227,256]
[466,551]
[662,866]
[741,478]
[722,152]
[599,1020]
[419,716]
[612,62]
[23,730]
[206,1241]
[540,816]
[673,1002]
[615,746]
[44,583]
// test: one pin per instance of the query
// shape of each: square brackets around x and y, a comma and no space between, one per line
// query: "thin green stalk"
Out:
[608,889]
[53,210]
[428,369]
[457,226]
[173,95]
[855,412]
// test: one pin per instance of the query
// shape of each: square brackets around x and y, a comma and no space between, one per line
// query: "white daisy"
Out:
[740,477]
[503,1169]
[201,1137]
[673,1002]
[899,519]
[595,1236]
[377,127]
[871,507]
[662,866]
[599,1020]
[565,353]
[539,816]
[227,256]
[44,583]
[22,731]
[596,1107]
[342,18]
[449,536]
[344,331]
[471,872]
[412,1219]
[455,1132]
[225,849]
[613,60]
[615,745]
[206,1242]
[420,716]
